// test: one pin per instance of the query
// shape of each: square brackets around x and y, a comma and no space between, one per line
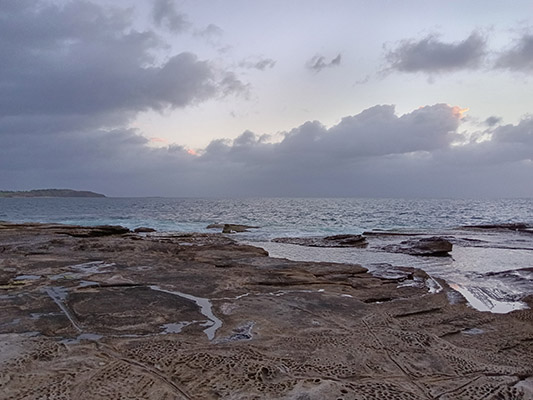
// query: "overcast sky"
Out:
[268,98]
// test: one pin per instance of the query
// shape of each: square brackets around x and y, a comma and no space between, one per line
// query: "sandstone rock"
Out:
[432,246]
[327,241]
[157,319]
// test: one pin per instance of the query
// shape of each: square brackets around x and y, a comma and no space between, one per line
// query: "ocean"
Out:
[493,269]
[275,216]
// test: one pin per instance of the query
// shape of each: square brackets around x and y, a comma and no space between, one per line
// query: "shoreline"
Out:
[202,316]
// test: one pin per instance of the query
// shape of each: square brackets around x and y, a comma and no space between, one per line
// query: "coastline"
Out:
[88,311]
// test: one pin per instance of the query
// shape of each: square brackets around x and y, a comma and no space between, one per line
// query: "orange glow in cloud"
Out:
[192,152]
[459,112]
[157,140]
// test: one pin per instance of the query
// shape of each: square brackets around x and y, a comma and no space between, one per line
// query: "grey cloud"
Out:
[212,34]
[375,132]
[72,77]
[230,84]
[493,120]
[373,153]
[519,57]
[336,60]
[261,64]
[318,63]
[432,55]
[519,134]
[106,159]
[378,131]
[366,79]
[379,153]
[264,64]
[210,31]
[166,15]
[81,59]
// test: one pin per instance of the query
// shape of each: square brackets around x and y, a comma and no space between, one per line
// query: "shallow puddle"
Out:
[206,309]
[481,301]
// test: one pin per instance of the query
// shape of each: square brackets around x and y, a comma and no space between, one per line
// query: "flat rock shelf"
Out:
[199,316]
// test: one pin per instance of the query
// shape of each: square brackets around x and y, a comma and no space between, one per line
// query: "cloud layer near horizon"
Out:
[373,153]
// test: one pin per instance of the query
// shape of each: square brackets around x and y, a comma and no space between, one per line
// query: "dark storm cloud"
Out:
[165,15]
[83,60]
[318,63]
[519,57]
[432,55]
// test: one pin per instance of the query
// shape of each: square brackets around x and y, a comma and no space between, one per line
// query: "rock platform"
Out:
[199,316]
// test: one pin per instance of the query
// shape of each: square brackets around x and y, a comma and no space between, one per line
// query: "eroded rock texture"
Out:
[327,241]
[199,316]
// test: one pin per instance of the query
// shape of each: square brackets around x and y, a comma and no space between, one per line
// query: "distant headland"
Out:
[50,193]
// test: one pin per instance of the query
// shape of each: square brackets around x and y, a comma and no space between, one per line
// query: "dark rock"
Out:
[433,246]
[390,233]
[215,226]
[328,241]
[97,231]
[234,228]
[510,226]
[144,229]
[345,240]
[231,228]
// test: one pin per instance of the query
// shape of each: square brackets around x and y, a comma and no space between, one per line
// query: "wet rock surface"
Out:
[144,229]
[512,226]
[96,231]
[231,228]
[199,316]
[326,241]
[432,246]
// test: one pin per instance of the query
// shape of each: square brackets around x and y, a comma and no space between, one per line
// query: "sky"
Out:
[239,98]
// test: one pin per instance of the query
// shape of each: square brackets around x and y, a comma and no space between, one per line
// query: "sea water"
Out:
[496,271]
[275,216]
